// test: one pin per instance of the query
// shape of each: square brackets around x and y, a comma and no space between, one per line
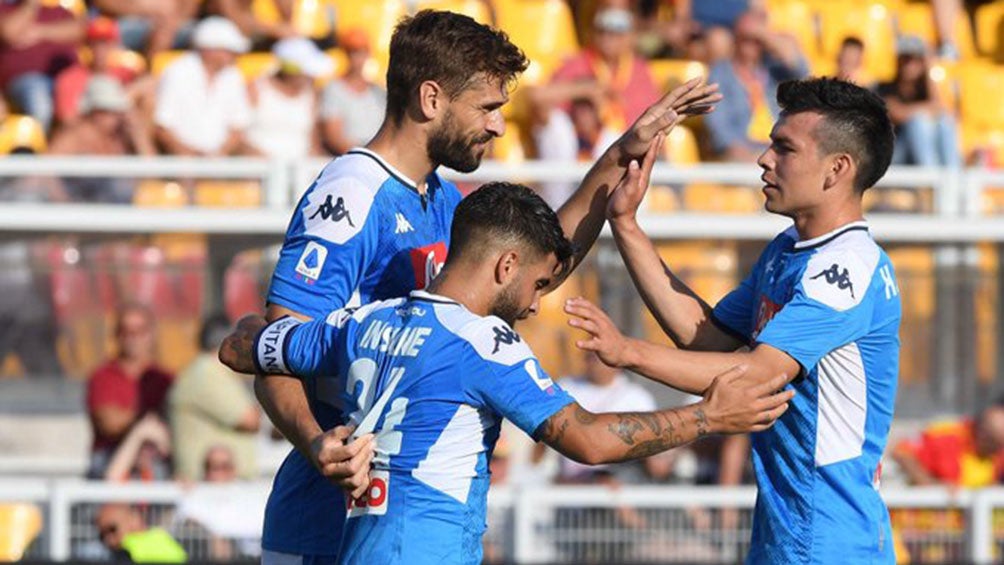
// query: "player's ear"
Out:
[506,267]
[431,99]
[841,169]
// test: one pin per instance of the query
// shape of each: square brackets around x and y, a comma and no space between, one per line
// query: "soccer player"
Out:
[375,224]
[820,306]
[434,374]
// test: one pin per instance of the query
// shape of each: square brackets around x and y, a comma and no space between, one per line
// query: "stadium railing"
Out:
[542,524]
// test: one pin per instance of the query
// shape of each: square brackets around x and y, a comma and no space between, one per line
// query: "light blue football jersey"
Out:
[361,232]
[833,305]
[434,381]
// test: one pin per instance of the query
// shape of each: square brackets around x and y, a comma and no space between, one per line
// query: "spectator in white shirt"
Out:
[202,106]
[352,107]
[284,103]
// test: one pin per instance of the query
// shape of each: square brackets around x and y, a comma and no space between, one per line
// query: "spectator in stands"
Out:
[967,453]
[151,26]
[144,454]
[926,132]
[263,33]
[352,107]
[124,532]
[107,57]
[37,41]
[740,127]
[210,405]
[219,465]
[850,62]
[108,125]
[607,78]
[284,103]
[126,388]
[202,106]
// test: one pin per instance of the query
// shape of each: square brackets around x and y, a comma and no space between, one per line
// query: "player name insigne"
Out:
[404,342]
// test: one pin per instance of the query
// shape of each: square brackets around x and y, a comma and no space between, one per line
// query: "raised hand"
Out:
[689,99]
[735,405]
[630,191]
[604,338]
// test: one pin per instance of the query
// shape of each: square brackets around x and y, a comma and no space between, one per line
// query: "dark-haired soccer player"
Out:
[821,306]
[375,225]
[434,374]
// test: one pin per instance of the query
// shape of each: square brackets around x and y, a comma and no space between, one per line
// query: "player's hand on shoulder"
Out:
[630,191]
[689,99]
[737,405]
[343,460]
[604,338]
[237,349]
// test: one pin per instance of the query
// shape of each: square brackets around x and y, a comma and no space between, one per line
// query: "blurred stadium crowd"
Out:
[294,79]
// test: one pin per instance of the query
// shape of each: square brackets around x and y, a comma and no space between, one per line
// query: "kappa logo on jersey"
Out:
[835,276]
[764,313]
[335,212]
[403,225]
[311,262]
[427,261]
[504,336]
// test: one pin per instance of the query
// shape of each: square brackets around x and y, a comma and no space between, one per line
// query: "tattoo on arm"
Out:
[556,426]
[702,422]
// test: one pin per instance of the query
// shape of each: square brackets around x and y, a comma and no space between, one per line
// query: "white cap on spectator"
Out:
[303,55]
[216,32]
[104,92]
[614,20]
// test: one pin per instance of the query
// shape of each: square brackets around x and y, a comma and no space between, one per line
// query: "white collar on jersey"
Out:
[859,225]
[429,297]
[401,176]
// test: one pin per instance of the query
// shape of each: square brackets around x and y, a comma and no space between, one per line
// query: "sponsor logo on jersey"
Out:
[504,335]
[308,268]
[374,502]
[765,312]
[403,225]
[335,212]
[427,261]
[835,276]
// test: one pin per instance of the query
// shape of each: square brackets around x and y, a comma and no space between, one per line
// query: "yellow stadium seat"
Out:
[78,7]
[667,74]
[476,9]
[918,19]
[943,75]
[509,148]
[310,17]
[914,267]
[543,29]
[163,59]
[255,65]
[680,147]
[177,342]
[159,194]
[986,304]
[376,17]
[703,197]
[990,29]
[20,524]
[21,132]
[795,17]
[871,23]
[228,193]
[980,85]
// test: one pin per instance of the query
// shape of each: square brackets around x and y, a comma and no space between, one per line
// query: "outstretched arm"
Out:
[682,314]
[582,216]
[689,371]
[731,405]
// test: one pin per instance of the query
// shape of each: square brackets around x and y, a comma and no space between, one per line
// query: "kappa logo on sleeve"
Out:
[336,211]
[504,336]
[835,276]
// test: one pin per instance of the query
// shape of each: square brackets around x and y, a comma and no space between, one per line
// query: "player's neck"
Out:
[404,148]
[812,224]
[463,290]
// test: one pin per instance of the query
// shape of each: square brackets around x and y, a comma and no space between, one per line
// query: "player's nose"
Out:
[496,123]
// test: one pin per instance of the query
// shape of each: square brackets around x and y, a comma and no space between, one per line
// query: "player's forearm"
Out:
[284,401]
[679,311]
[583,215]
[594,439]
[687,371]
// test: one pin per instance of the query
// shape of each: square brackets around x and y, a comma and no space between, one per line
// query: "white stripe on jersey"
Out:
[842,408]
[455,453]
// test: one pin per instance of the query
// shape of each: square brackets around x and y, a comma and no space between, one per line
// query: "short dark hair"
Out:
[214,330]
[451,49]
[851,41]
[855,121]
[500,211]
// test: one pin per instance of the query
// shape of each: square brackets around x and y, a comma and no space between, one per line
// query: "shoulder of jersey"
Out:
[489,336]
[840,273]
[339,318]
[339,203]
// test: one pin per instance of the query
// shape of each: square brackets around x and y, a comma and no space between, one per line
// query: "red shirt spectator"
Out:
[948,453]
[23,52]
[110,385]
[630,83]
